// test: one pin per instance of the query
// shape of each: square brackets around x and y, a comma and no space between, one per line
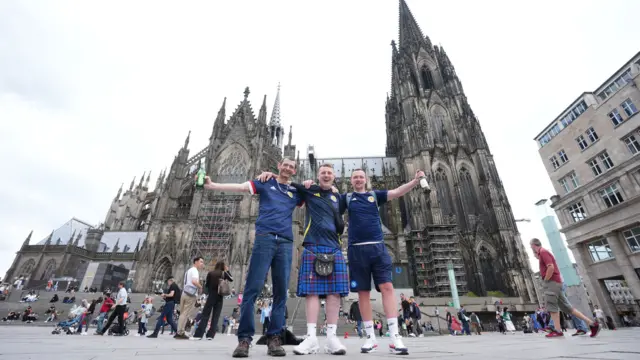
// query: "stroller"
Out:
[68,326]
[114,329]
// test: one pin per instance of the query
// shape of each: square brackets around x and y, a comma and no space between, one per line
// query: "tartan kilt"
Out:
[309,283]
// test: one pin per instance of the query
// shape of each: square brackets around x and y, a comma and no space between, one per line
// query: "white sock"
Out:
[368,327]
[331,330]
[311,330]
[393,326]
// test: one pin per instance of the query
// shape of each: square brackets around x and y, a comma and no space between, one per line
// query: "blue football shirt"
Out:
[319,225]
[364,217]
[277,202]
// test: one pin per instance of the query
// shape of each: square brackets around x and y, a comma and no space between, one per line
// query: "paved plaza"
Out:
[24,342]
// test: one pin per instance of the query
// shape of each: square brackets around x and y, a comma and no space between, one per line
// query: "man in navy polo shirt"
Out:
[272,248]
[368,254]
[321,236]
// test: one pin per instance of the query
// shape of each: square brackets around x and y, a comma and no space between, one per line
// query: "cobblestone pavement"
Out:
[24,342]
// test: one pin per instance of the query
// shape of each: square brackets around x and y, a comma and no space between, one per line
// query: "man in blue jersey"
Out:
[272,249]
[368,256]
[323,270]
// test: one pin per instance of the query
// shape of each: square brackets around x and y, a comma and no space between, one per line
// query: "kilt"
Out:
[309,283]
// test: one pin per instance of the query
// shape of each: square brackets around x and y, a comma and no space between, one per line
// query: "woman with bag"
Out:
[217,284]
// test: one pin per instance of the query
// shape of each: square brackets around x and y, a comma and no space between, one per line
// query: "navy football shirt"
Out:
[319,225]
[277,202]
[364,217]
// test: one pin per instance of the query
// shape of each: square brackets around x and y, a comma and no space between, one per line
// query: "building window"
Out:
[565,185]
[595,167]
[427,78]
[592,135]
[628,107]
[619,82]
[632,144]
[582,143]
[577,212]
[554,162]
[563,156]
[615,117]
[606,160]
[574,180]
[633,238]
[600,250]
[611,196]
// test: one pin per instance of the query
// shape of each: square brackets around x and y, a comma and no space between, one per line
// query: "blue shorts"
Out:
[366,261]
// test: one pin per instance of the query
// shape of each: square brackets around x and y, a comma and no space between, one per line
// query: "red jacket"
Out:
[106,305]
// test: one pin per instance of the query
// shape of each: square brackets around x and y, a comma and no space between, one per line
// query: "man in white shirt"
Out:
[119,310]
[191,289]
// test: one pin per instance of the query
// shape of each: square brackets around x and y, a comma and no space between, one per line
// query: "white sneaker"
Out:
[194,338]
[333,346]
[308,346]
[371,345]
[84,333]
[397,346]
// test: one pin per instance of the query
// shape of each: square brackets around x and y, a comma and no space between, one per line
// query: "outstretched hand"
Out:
[266,176]
[419,174]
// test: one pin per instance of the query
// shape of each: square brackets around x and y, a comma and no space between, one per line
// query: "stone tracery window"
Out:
[488,269]
[469,197]
[26,269]
[443,192]
[49,270]
[427,77]
[233,169]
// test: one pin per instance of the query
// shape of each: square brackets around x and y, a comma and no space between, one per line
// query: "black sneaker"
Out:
[274,346]
[242,350]
[153,336]
[579,332]
[181,337]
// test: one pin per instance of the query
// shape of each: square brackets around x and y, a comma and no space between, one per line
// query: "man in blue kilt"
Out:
[323,271]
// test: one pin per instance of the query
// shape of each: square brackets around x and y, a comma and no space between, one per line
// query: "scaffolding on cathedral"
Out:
[430,251]
[214,229]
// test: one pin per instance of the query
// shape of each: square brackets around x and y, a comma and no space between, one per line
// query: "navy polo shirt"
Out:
[364,217]
[277,202]
[320,226]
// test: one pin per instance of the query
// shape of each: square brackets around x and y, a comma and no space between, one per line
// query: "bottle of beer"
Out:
[200,177]
[424,184]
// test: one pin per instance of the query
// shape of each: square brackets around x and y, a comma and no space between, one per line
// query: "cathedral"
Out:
[465,223]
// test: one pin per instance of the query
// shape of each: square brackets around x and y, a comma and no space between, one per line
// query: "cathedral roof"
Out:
[344,166]
[67,230]
[124,239]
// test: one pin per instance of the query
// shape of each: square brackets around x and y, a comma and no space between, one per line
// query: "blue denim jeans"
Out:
[269,251]
[167,312]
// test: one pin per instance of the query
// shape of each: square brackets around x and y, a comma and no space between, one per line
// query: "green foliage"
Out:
[471,294]
[498,294]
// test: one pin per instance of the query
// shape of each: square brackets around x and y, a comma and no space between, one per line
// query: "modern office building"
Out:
[590,153]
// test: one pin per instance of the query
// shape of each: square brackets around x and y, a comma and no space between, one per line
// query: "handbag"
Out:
[223,286]
[189,289]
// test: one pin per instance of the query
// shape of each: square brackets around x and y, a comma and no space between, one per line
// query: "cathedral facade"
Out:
[464,223]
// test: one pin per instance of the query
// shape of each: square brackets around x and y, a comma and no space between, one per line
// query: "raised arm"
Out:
[244,187]
[403,189]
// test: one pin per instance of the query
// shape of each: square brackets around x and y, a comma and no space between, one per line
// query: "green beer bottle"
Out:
[200,177]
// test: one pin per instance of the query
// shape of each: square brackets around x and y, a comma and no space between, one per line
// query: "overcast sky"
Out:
[93,95]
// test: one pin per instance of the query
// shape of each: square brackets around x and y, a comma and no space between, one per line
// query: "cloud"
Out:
[92,94]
